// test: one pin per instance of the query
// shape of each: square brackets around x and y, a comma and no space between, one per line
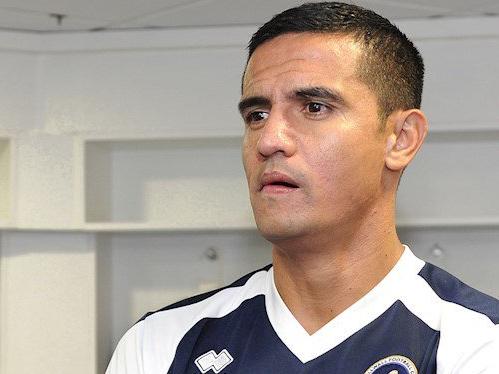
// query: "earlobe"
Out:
[409,131]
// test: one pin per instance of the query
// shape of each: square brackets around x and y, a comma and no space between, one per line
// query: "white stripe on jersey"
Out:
[462,331]
[150,345]
[372,305]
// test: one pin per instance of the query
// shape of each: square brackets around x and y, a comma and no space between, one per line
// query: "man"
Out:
[330,101]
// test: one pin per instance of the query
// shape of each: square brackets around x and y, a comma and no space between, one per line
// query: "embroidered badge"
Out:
[393,365]
[212,361]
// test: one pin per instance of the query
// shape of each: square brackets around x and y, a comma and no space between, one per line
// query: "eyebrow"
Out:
[253,101]
[305,93]
[323,93]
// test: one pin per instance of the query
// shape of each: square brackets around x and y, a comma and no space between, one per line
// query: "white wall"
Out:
[18,78]
[48,306]
[81,114]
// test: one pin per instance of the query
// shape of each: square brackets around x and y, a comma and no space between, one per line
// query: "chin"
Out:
[278,231]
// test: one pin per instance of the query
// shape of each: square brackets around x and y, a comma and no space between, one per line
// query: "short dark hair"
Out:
[391,65]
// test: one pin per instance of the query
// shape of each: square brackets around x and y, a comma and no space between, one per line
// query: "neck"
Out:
[319,277]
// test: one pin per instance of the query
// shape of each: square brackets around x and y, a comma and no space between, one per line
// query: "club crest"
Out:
[393,365]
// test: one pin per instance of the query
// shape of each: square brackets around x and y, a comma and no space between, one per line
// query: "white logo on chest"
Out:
[403,365]
[212,361]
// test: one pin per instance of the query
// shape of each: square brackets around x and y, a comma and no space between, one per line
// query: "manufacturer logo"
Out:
[393,365]
[213,361]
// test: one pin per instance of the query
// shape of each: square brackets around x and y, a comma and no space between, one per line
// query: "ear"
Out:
[409,131]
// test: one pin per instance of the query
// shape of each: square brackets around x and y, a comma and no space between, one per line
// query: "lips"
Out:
[277,182]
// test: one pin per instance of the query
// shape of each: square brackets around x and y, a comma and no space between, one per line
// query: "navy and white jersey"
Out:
[418,319]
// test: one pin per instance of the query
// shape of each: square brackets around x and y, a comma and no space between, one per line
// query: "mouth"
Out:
[276,182]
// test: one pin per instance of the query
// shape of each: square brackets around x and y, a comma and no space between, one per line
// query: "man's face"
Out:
[313,152]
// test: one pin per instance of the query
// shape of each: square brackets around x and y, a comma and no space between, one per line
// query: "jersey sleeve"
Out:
[127,358]
[483,357]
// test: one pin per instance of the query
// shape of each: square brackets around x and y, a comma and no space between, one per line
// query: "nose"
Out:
[276,137]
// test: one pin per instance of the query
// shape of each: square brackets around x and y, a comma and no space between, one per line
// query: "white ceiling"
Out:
[86,15]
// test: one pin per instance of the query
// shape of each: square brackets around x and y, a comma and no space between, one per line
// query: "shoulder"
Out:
[467,322]
[452,290]
[244,287]
[157,334]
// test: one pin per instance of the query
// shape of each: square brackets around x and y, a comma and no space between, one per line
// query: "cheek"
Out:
[248,157]
[330,158]
[245,162]
[344,166]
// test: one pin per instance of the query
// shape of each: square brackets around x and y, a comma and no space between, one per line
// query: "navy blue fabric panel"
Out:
[397,332]
[195,299]
[246,333]
[451,289]
[248,336]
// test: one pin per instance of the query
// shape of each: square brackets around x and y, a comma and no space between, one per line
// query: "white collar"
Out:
[308,347]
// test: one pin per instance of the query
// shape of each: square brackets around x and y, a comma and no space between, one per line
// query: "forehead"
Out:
[302,59]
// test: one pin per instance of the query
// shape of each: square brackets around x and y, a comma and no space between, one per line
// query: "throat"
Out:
[318,291]
[313,310]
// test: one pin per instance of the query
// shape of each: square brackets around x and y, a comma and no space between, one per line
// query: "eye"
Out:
[256,116]
[316,107]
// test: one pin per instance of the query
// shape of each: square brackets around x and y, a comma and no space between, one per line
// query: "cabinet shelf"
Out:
[452,182]
[5,182]
[177,184]
[161,227]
